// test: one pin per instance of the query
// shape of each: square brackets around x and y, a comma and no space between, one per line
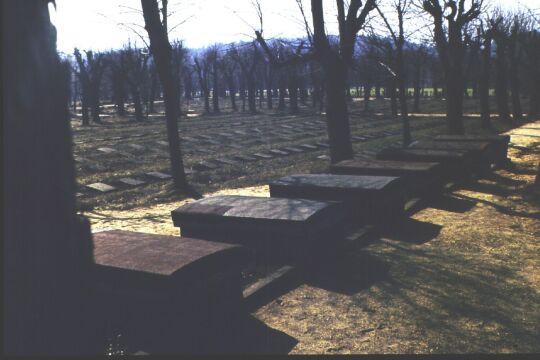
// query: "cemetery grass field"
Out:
[460,276]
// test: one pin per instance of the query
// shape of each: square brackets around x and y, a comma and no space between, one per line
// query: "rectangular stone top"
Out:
[157,254]
[251,207]
[450,145]
[434,153]
[483,137]
[357,182]
[411,166]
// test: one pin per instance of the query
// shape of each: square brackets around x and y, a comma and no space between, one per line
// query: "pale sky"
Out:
[96,24]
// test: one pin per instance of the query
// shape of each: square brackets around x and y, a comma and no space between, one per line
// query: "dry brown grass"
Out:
[467,280]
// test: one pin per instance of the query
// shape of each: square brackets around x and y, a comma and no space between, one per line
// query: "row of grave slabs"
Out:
[206,164]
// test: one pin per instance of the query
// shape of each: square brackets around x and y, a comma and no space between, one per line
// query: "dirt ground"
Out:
[460,276]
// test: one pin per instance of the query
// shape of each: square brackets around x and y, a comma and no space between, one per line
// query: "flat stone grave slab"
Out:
[289,230]
[131,181]
[294,149]
[422,178]
[166,287]
[368,199]
[101,187]
[106,150]
[308,146]
[278,152]
[137,147]
[456,164]
[158,175]
[482,152]
[162,143]
[322,144]
[499,142]
[263,156]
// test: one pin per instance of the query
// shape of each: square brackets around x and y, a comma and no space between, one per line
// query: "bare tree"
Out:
[397,34]
[451,49]
[202,68]
[500,31]
[90,74]
[161,50]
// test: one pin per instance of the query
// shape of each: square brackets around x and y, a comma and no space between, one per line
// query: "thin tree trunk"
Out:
[161,49]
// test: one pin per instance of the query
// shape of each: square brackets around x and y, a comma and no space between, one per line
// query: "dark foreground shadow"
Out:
[241,333]
[411,231]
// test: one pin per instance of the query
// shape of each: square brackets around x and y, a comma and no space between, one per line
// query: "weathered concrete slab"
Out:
[102,187]
[159,175]
[131,181]
[285,229]
[422,178]
[278,152]
[166,290]
[308,146]
[481,151]
[162,143]
[456,164]
[263,156]
[368,199]
[137,147]
[106,150]
[500,143]
[294,149]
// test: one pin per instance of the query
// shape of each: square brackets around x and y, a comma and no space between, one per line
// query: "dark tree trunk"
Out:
[400,71]
[393,95]
[483,85]
[251,94]
[293,91]
[161,49]
[95,105]
[137,104]
[367,93]
[501,83]
[454,103]
[281,104]
[337,116]
[215,89]
[48,255]
[515,89]
[232,92]
[153,91]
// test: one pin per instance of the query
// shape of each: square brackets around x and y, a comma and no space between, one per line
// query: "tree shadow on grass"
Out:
[451,203]
[411,231]
[348,274]
[460,302]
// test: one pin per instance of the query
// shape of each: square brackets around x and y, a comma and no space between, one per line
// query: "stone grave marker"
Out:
[456,165]
[263,156]
[308,147]
[158,175]
[278,152]
[422,178]
[101,187]
[131,181]
[106,150]
[288,230]
[137,147]
[368,199]
[151,284]
[294,149]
